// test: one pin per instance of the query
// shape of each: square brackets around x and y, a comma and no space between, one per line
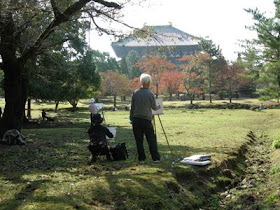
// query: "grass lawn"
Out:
[52,170]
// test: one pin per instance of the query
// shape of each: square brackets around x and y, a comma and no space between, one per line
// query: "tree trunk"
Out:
[56,106]
[191,98]
[156,91]
[210,91]
[28,108]
[203,96]
[115,100]
[15,96]
[278,79]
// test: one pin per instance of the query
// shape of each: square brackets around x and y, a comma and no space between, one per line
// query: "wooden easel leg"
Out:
[165,135]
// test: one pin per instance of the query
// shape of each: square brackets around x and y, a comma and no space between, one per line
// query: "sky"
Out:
[222,21]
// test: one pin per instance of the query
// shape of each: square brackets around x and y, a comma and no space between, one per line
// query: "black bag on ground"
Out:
[119,152]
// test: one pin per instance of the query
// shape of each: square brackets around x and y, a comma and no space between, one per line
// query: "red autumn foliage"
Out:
[171,81]
[155,66]
[194,71]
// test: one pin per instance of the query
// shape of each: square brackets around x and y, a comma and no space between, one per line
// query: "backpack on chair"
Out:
[119,152]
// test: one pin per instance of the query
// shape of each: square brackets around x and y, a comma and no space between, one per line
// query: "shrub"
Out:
[276,143]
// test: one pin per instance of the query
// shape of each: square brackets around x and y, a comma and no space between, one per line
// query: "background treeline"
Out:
[73,71]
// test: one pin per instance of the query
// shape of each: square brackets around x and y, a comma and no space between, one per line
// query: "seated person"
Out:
[261,106]
[44,116]
[98,142]
[92,108]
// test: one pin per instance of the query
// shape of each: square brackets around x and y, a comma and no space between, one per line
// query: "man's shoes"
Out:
[156,161]
[142,162]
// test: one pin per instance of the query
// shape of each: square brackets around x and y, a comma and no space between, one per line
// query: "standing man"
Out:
[142,103]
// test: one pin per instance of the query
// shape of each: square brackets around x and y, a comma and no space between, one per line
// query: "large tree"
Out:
[115,84]
[171,81]
[230,78]
[214,52]
[194,73]
[131,59]
[267,45]
[27,29]
[82,79]
[46,81]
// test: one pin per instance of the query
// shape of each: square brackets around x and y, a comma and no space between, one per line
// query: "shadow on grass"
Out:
[64,150]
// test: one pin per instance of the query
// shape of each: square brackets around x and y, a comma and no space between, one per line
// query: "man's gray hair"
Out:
[145,78]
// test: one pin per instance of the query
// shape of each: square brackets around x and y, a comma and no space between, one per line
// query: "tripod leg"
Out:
[103,116]
[165,135]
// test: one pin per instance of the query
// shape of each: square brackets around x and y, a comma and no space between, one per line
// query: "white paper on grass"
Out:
[99,105]
[197,163]
[113,130]
[159,101]
[196,160]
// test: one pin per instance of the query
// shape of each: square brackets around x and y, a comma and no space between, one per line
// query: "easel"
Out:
[103,115]
[154,122]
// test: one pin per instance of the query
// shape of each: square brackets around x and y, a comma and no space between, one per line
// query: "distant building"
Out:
[165,40]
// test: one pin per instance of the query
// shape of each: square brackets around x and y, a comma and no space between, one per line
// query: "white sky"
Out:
[223,21]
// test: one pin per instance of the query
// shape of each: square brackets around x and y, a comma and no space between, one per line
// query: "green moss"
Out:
[276,143]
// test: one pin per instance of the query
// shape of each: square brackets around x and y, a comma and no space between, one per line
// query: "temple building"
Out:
[163,40]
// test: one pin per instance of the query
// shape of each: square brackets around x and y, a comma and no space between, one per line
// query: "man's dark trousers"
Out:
[141,127]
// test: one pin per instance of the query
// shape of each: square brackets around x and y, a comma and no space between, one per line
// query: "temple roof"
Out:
[165,35]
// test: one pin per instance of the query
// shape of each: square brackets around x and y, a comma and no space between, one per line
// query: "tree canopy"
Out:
[31,27]
[261,56]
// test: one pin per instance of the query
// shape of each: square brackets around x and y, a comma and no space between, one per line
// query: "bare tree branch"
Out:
[108,4]
[61,18]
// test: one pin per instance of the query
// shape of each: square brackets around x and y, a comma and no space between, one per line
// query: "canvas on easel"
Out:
[113,130]
[159,101]
[99,105]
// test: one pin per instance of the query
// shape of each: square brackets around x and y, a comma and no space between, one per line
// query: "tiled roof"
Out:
[165,35]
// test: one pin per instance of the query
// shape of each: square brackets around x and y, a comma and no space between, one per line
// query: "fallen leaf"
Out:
[37,191]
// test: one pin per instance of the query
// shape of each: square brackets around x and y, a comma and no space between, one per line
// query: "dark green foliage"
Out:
[59,78]
[131,59]
[124,67]
[104,62]
[262,55]
[215,53]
